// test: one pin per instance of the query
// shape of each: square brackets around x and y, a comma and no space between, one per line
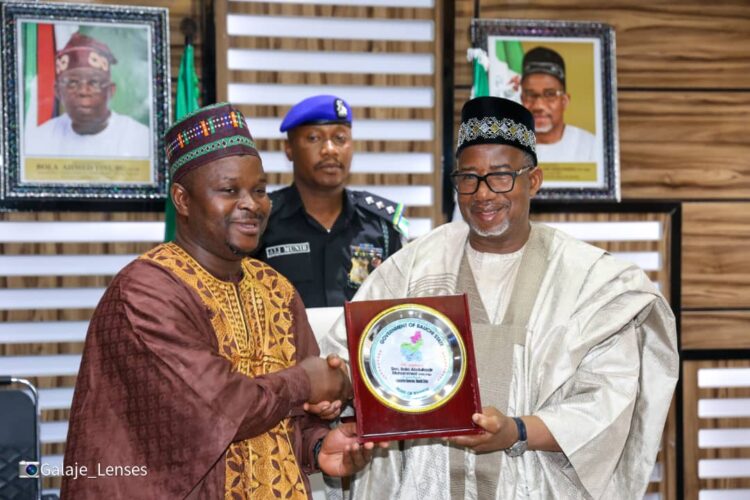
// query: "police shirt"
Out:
[327,267]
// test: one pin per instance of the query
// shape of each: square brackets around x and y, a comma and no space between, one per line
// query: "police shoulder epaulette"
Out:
[384,208]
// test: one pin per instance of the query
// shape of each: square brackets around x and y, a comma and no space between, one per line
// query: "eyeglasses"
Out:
[94,84]
[548,95]
[498,182]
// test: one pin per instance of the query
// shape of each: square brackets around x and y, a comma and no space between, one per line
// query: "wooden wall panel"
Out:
[715,264]
[666,44]
[716,329]
[684,145]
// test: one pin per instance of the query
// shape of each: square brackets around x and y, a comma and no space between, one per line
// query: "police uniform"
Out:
[327,267]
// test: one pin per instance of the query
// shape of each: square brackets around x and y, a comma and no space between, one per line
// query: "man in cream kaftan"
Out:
[576,344]
[579,369]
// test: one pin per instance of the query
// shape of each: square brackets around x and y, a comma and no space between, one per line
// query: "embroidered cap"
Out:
[82,51]
[544,60]
[317,110]
[494,120]
[210,133]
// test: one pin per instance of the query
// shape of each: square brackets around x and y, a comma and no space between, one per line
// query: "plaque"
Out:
[413,369]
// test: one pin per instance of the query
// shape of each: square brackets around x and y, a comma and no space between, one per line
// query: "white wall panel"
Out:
[611,231]
[59,398]
[419,227]
[356,3]
[331,28]
[362,163]
[724,438]
[49,298]
[63,265]
[80,232]
[355,96]
[724,494]
[365,130]
[28,332]
[410,196]
[53,365]
[724,408]
[330,62]
[723,377]
[53,432]
[720,468]
[648,261]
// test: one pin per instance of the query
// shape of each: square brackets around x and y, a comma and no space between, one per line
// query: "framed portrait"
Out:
[85,103]
[564,73]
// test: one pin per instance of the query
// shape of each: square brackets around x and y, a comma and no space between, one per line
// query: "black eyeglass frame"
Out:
[479,178]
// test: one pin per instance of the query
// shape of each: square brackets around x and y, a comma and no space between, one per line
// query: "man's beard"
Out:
[498,230]
[544,128]
[239,253]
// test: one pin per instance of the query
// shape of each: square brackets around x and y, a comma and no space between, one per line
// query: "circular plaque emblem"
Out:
[412,358]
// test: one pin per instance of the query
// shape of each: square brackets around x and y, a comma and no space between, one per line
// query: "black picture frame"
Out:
[45,162]
[589,168]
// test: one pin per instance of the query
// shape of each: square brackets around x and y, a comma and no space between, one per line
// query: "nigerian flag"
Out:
[39,104]
[480,86]
[186,101]
[505,69]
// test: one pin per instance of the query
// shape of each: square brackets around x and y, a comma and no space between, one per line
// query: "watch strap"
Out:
[521,428]
[316,452]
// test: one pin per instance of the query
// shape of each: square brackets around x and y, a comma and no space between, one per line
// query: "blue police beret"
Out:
[319,109]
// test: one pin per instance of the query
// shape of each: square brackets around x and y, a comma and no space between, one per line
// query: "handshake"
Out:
[330,385]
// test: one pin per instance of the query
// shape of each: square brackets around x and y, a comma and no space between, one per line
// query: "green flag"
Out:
[186,101]
[479,60]
[29,65]
[506,68]
[188,88]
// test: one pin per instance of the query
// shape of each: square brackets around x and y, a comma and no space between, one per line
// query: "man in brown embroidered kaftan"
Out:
[198,360]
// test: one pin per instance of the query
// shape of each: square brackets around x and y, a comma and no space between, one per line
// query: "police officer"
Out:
[323,237]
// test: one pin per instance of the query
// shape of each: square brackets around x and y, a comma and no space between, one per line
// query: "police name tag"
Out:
[414,374]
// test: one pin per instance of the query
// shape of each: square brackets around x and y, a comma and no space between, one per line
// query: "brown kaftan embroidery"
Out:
[253,326]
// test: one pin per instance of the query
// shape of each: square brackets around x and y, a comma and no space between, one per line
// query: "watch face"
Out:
[412,358]
[518,449]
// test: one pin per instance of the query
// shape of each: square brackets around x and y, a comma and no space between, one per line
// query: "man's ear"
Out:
[288,147]
[111,90]
[536,177]
[180,198]
[565,101]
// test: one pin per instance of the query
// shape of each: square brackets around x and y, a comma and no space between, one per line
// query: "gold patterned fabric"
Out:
[253,328]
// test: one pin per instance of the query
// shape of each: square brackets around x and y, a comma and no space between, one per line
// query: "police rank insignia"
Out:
[365,258]
[388,210]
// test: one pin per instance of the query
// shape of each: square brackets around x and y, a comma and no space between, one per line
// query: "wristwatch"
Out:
[519,447]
